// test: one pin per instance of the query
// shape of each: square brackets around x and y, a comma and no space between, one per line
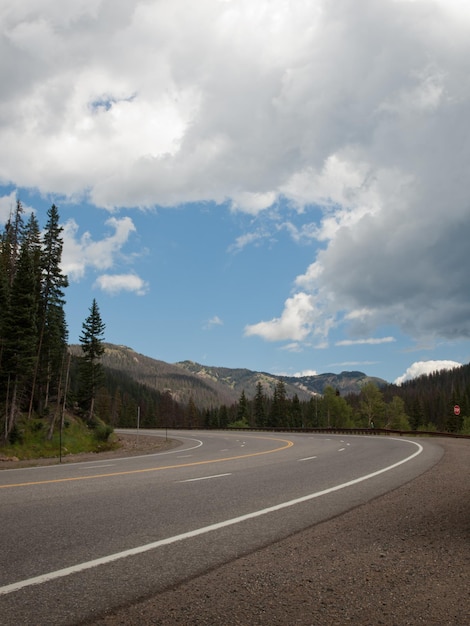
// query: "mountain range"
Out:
[210,386]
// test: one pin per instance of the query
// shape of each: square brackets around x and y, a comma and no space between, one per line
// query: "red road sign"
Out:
[456,410]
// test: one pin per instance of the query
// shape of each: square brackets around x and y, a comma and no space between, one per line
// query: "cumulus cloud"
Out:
[425,367]
[355,108]
[296,321]
[116,283]
[81,251]
[305,373]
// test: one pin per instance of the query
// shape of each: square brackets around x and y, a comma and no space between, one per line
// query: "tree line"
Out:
[33,330]
[426,403]
[34,359]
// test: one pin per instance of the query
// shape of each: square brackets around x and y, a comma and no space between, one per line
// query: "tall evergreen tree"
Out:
[91,371]
[259,411]
[278,411]
[20,338]
[295,412]
[13,239]
[4,301]
[52,328]
[243,410]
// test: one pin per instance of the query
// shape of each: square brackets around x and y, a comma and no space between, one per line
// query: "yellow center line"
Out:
[287,443]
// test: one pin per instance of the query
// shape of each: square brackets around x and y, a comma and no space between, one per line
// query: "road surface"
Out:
[78,539]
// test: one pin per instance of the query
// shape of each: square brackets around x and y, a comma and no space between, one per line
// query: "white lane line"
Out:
[341,449]
[80,567]
[192,480]
[98,466]
[308,458]
[184,456]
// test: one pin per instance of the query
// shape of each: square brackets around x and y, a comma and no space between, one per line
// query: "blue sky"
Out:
[272,185]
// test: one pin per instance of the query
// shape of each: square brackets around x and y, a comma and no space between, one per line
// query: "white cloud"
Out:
[295,346]
[81,252]
[299,319]
[214,321]
[246,240]
[371,341]
[116,283]
[354,363]
[356,107]
[305,373]
[7,206]
[425,367]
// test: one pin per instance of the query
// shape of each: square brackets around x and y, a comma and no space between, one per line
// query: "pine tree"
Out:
[295,412]
[278,412]
[13,239]
[20,338]
[242,409]
[259,411]
[52,328]
[4,301]
[91,370]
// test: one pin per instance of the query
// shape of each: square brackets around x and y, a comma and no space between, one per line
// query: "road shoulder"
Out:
[403,558]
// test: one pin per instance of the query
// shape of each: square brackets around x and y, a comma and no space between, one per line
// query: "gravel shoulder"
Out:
[402,559]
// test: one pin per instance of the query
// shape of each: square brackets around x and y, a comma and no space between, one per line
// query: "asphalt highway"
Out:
[78,539]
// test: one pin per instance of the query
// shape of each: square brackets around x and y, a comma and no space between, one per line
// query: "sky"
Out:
[268,184]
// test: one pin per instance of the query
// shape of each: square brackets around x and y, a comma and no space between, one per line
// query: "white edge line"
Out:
[122,458]
[80,567]
[193,480]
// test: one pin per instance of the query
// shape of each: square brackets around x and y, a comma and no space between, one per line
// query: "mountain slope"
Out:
[209,386]
[345,383]
[164,377]
[240,379]
[304,386]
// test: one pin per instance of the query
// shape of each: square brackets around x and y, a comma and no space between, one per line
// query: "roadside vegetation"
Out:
[29,441]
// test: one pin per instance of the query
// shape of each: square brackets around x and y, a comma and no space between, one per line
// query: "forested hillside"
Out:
[427,404]
[241,379]
[164,377]
[430,399]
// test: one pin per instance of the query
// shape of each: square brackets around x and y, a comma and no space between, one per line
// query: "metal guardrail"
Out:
[352,431]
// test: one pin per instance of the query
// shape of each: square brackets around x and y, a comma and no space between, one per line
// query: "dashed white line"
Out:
[192,480]
[308,458]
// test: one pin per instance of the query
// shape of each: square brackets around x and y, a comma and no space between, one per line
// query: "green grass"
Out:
[30,439]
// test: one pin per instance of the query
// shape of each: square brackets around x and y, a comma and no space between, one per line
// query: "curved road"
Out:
[81,538]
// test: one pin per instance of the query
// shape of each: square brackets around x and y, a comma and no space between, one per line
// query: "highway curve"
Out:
[84,540]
